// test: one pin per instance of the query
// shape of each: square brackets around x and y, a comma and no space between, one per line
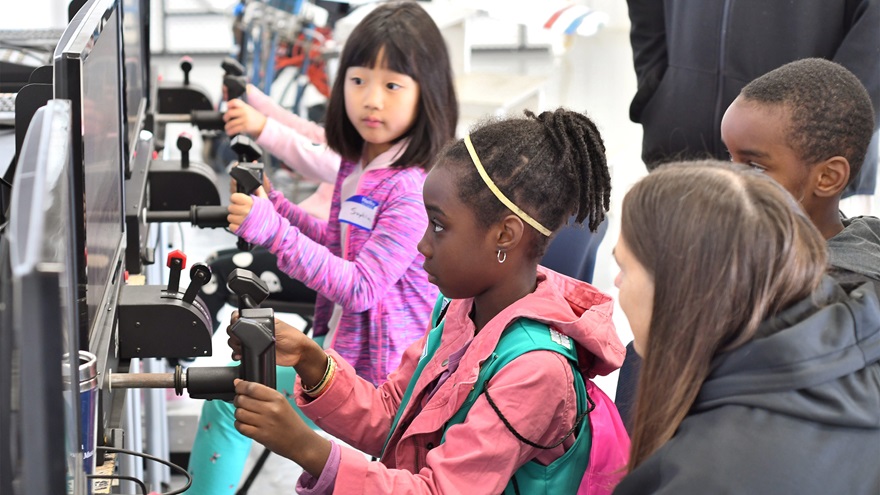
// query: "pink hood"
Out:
[582,312]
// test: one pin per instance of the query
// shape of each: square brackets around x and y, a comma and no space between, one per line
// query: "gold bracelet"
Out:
[316,392]
[323,378]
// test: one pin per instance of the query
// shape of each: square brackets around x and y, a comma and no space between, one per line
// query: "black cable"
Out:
[531,443]
[158,240]
[155,459]
[137,481]
[246,486]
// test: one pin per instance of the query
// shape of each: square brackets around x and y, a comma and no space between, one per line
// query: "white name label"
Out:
[359,211]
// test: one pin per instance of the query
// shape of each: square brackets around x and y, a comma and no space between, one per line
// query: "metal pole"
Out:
[158,475]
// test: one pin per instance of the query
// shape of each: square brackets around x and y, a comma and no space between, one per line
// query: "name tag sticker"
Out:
[359,211]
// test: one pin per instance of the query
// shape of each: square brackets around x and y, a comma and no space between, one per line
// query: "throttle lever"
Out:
[199,274]
[176,262]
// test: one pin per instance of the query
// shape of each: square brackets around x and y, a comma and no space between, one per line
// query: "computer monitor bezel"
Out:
[135,118]
[84,32]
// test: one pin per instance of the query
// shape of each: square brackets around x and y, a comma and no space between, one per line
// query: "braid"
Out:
[551,165]
[582,149]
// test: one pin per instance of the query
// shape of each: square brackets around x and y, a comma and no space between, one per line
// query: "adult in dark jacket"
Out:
[803,124]
[692,57]
[761,375]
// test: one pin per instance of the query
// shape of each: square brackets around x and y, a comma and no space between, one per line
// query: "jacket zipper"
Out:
[722,60]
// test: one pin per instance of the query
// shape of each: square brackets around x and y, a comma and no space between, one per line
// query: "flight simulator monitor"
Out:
[136,71]
[41,284]
[88,72]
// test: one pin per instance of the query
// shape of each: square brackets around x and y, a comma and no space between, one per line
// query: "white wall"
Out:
[53,14]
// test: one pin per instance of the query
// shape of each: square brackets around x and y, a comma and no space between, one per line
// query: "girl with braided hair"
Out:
[497,397]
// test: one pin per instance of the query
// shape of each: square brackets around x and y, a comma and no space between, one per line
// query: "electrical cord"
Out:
[182,241]
[134,480]
[155,459]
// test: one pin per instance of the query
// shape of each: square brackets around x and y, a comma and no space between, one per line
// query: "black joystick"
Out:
[232,67]
[250,289]
[247,177]
[248,174]
[255,327]
[234,79]
[186,65]
[257,336]
[184,144]
[236,86]
[199,274]
[246,148]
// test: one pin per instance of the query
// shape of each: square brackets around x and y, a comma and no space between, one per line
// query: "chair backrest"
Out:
[573,251]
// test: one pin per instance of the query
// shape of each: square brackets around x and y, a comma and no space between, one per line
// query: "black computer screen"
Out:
[88,72]
[136,64]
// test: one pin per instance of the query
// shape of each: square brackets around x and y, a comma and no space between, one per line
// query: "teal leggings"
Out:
[219,451]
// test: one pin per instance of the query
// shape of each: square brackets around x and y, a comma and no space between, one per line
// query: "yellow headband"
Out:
[500,195]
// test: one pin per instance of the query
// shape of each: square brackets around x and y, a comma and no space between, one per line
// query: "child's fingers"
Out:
[235,219]
[253,391]
[247,410]
[233,112]
[241,210]
[233,127]
[247,430]
[241,199]
[234,223]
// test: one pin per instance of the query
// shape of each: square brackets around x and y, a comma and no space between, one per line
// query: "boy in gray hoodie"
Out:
[808,125]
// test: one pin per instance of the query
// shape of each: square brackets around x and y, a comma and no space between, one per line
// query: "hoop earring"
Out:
[501,256]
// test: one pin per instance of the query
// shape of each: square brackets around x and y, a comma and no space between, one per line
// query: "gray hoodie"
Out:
[856,249]
[794,411]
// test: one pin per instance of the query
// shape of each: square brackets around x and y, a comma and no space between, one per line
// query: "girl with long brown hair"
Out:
[760,373]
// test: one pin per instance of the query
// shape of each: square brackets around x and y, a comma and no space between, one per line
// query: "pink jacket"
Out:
[535,393]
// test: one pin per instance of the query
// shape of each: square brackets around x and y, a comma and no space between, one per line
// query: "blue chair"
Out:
[573,251]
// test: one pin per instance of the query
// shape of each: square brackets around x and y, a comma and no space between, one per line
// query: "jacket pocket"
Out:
[646,91]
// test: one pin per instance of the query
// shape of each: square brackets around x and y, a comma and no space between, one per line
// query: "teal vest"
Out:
[565,473]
